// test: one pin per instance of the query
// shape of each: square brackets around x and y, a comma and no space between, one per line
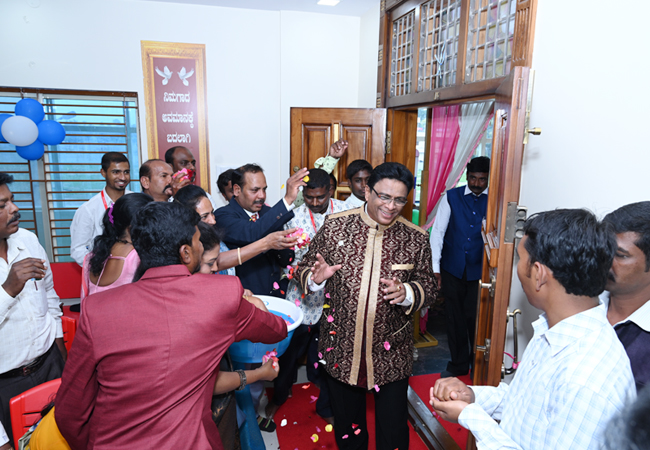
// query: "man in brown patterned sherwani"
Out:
[376,269]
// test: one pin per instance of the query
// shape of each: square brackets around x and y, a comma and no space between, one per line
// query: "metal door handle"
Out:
[515,356]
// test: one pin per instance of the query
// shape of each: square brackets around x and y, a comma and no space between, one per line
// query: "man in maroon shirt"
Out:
[145,358]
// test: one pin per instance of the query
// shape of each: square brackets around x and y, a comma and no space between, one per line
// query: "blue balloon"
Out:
[31,109]
[31,152]
[3,117]
[51,132]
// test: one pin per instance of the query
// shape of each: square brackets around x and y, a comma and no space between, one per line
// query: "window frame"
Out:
[39,172]
[391,10]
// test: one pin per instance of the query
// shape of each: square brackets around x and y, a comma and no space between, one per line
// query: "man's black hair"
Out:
[113,157]
[145,168]
[318,178]
[480,164]
[393,171]
[333,178]
[635,218]
[357,166]
[211,236]
[115,225]
[169,155]
[225,177]
[190,196]
[239,175]
[575,246]
[5,178]
[158,231]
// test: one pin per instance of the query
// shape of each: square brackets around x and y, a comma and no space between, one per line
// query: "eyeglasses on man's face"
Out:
[386,199]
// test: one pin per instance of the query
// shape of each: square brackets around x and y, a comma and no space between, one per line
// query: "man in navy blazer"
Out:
[247,219]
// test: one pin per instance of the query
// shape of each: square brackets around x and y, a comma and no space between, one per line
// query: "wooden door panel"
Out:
[317,140]
[313,130]
[505,178]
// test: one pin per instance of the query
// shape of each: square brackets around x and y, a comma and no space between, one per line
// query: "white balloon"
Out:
[19,130]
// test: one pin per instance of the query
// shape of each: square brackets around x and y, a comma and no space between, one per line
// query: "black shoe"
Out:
[266,424]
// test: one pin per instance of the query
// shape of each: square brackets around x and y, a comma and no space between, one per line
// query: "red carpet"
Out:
[303,423]
[421,385]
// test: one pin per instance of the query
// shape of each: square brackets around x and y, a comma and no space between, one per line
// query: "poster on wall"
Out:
[175,97]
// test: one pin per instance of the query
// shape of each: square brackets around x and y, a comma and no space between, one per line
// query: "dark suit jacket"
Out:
[142,368]
[257,274]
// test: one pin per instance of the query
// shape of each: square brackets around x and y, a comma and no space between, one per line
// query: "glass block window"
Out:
[439,30]
[402,55]
[490,33]
[50,190]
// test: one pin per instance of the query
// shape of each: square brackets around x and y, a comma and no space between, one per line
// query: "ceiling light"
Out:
[328,2]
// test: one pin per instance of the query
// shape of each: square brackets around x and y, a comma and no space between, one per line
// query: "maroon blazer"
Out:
[142,368]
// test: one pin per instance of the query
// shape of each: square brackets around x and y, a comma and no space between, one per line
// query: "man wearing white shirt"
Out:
[87,221]
[457,251]
[628,286]
[31,337]
[574,375]
[308,217]
[358,172]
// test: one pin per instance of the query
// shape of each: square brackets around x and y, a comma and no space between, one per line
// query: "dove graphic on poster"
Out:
[183,75]
[166,74]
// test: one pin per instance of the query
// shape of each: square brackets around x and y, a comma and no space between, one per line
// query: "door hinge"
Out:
[515,218]
[388,141]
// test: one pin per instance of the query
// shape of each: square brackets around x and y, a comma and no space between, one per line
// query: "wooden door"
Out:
[313,130]
[503,214]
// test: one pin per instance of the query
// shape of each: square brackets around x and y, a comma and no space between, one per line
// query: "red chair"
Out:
[69,330]
[25,409]
[67,279]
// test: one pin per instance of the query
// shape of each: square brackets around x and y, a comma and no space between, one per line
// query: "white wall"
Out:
[591,100]
[259,64]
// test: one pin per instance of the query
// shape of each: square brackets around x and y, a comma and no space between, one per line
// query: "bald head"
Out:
[156,179]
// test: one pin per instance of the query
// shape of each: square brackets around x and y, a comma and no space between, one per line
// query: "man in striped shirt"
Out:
[574,375]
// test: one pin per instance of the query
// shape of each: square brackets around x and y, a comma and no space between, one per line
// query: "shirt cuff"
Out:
[436,267]
[408,301]
[288,206]
[311,284]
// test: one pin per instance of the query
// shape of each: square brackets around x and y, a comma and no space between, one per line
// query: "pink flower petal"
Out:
[387,345]
[357,431]
[327,295]
[316,365]
[318,429]
[329,349]
[276,285]
[298,303]
[313,399]
[320,355]
[345,436]
[330,319]
[377,387]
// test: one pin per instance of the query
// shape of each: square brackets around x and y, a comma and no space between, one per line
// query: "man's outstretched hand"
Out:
[294,183]
[337,150]
[322,271]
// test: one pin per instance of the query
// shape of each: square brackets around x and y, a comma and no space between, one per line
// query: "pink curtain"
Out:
[445,130]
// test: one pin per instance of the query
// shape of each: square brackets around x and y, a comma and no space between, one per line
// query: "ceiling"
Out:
[345,8]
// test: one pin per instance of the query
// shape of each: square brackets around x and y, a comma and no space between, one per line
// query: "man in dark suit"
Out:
[247,219]
[145,358]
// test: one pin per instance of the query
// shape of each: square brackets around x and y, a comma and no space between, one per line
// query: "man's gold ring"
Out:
[399,287]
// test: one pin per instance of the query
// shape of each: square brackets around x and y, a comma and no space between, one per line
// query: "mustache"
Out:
[15,218]
[169,186]
[258,202]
